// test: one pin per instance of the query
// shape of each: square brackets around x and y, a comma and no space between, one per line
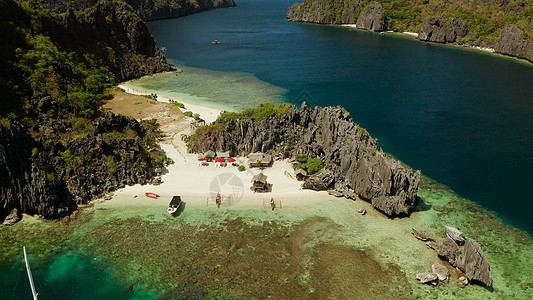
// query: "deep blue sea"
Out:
[464,118]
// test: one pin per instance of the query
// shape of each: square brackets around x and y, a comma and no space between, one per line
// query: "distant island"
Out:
[502,27]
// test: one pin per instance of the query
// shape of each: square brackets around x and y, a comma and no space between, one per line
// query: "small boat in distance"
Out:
[174,205]
[215,42]
[152,195]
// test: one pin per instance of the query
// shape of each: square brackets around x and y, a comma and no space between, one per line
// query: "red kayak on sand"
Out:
[152,195]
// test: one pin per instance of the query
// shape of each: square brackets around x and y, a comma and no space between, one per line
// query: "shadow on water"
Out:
[421,206]
[180,210]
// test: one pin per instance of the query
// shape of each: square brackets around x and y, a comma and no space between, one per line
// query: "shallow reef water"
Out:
[324,249]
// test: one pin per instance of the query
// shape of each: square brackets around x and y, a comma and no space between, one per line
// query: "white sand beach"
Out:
[206,112]
[199,185]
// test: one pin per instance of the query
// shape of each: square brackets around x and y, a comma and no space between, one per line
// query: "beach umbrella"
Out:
[231,160]
[220,160]
[201,159]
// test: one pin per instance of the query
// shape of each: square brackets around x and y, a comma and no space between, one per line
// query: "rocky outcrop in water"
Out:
[51,178]
[443,29]
[469,259]
[475,263]
[324,12]
[353,161]
[372,18]
[438,24]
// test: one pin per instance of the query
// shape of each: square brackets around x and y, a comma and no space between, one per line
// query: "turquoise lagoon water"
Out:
[463,118]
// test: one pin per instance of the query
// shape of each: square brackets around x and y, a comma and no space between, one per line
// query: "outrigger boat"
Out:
[152,195]
[174,205]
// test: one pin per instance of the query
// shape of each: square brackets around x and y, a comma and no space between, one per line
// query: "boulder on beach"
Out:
[441,271]
[13,217]
[427,277]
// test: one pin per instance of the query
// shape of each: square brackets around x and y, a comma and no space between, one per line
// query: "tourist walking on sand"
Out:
[272,204]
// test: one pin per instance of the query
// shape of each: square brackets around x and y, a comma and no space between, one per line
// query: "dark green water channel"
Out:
[463,118]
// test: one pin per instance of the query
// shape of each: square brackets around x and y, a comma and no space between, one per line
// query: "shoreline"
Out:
[414,36]
[209,113]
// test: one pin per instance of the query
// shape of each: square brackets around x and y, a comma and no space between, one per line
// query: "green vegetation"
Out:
[241,168]
[263,111]
[111,164]
[69,158]
[363,133]
[188,114]
[311,165]
[484,19]
[151,96]
[176,103]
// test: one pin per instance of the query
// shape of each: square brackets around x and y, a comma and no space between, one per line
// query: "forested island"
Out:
[57,63]
[503,26]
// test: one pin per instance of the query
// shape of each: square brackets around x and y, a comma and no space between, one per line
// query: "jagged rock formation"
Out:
[469,259]
[469,25]
[512,42]
[455,234]
[372,18]
[441,271]
[443,29]
[126,34]
[13,217]
[475,263]
[43,178]
[427,277]
[148,10]
[353,159]
[325,12]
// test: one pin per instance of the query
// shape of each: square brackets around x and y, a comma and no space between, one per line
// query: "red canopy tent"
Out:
[201,159]
[220,160]
[231,160]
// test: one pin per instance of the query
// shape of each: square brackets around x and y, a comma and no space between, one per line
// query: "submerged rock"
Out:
[420,235]
[475,263]
[427,277]
[13,217]
[449,251]
[462,281]
[441,271]
[455,234]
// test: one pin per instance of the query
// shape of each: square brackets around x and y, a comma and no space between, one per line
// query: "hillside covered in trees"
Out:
[57,150]
[506,26]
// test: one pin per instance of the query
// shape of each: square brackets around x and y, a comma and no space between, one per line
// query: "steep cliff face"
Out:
[54,71]
[353,160]
[325,11]
[163,9]
[110,30]
[443,30]
[50,179]
[505,26]
[372,18]
[512,42]
[148,10]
